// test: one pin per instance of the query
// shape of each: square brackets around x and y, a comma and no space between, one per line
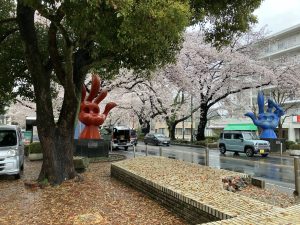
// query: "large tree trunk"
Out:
[56,138]
[202,124]
[172,123]
[58,143]
[145,125]
[57,155]
[171,128]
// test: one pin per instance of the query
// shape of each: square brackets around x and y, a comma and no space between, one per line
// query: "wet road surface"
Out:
[275,170]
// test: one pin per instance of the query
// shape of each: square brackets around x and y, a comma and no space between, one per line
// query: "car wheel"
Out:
[135,144]
[264,155]
[22,167]
[222,149]
[17,176]
[126,148]
[249,152]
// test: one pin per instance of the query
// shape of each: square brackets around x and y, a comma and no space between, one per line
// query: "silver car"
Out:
[243,141]
[11,151]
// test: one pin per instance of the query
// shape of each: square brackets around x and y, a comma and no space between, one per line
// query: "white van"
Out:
[11,151]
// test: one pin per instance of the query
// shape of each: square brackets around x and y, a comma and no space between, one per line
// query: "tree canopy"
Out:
[61,40]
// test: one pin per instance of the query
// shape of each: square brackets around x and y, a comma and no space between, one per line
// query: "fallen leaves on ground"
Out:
[204,184]
[271,196]
[98,199]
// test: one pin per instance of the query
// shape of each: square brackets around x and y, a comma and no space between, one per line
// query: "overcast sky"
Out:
[278,14]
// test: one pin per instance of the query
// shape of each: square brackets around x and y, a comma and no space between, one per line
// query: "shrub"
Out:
[140,136]
[180,141]
[201,143]
[35,147]
[213,145]
[295,147]
[212,139]
[289,143]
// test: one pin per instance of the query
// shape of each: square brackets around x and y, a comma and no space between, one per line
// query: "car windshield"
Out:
[159,135]
[250,136]
[8,138]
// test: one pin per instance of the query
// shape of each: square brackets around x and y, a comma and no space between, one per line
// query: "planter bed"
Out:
[192,191]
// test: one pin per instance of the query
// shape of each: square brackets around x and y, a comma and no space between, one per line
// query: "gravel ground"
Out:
[98,199]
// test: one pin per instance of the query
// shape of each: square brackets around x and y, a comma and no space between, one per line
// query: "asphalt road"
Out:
[275,170]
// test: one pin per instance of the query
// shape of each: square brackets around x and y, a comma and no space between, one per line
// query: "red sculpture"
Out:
[89,110]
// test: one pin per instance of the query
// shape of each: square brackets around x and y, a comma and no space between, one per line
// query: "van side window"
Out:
[237,136]
[227,136]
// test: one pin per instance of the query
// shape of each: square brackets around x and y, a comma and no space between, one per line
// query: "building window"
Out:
[178,131]
[281,45]
[161,130]
[187,131]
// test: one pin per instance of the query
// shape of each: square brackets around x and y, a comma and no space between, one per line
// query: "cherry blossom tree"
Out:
[144,97]
[151,98]
[211,75]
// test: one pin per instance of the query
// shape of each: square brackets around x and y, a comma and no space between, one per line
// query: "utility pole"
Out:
[183,129]
[192,119]
[182,100]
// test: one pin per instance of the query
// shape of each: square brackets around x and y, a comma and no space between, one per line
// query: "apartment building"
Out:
[285,45]
[281,46]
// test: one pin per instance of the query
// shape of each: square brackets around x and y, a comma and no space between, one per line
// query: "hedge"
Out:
[289,144]
[295,147]
[35,147]
[210,143]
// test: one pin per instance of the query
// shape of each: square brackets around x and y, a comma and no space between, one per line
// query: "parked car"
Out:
[121,137]
[133,137]
[11,151]
[243,141]
[157,139]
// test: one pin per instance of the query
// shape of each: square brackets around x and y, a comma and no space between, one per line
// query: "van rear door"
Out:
[121,136]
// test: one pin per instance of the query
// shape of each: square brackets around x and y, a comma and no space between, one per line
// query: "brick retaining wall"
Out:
[289,216]
[192,211]
[192,191]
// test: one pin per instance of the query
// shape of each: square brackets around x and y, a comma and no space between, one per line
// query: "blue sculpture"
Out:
[269,120]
